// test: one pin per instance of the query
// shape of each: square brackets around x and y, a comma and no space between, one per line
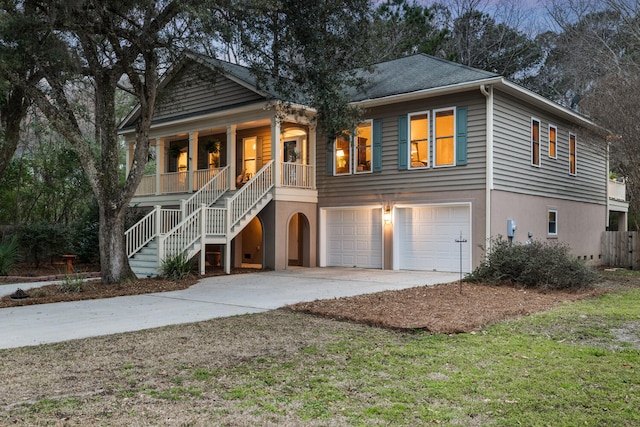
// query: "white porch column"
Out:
[231,155]
[312,153]
[193,158]
[276,150]
[160,166]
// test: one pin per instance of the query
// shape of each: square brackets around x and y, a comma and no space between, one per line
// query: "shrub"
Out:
[72,283]
[534,265]
[177,267]
[42,241]
[86,235]
[8,255]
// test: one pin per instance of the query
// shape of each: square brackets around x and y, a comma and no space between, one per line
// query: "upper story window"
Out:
[353,153]
[535,142]
[444,140]
[362,142]
[573,165]
[419,140]
[553,141]
[432,138]
[343,154]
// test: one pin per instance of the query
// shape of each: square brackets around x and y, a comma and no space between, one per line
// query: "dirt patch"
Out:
[442,308]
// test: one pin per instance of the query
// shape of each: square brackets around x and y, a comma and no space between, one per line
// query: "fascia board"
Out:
[217,114]
[546,104]
[425,93]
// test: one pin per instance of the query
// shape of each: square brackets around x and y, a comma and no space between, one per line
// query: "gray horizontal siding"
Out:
[196,89]
[391,181]
[512,155]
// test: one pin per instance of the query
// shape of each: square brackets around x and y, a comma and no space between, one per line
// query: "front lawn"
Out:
[575,365]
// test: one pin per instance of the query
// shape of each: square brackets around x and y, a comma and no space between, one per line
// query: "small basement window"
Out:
[552,222]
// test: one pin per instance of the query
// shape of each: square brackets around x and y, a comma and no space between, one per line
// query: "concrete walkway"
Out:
[212,297]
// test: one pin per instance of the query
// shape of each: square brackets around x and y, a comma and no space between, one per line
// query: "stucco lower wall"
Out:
[580,224]
[276,217]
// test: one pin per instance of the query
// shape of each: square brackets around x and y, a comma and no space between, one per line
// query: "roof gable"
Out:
[195,88]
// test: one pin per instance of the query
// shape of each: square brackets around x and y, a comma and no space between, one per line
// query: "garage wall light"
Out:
[387,215]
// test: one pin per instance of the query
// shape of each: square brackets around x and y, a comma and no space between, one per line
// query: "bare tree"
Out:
[597,61]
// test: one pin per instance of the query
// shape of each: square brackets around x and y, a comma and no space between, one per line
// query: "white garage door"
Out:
[427,238]
[354,238]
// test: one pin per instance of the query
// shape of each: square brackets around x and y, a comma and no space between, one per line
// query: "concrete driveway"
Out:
[212,297]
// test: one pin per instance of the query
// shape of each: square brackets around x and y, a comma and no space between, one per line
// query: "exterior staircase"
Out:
[213,215]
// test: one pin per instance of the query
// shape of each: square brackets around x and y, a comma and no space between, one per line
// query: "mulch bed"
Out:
[94,289]
[441,308]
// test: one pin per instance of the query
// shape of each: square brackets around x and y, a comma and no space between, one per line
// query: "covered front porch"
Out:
[182,162]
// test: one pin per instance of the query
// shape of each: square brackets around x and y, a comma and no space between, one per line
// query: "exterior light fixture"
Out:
[387,215]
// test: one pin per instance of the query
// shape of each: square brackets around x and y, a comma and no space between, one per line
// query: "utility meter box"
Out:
[511,228]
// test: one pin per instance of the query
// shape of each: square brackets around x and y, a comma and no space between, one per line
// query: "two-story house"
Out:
[446,158]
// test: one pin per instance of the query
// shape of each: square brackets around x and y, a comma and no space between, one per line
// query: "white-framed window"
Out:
[362,142]
[553,141]
[419,140]
[353,153]
[444,131]
[535,142]
[573,155]
[342,154]
[552,222]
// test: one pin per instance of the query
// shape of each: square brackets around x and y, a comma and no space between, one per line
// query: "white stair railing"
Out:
[181,237]
[209,193]
[151,226]
[216,223]
[250,194]
[155,222]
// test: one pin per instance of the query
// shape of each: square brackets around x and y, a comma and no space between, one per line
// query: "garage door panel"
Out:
[427,237]
[354,238]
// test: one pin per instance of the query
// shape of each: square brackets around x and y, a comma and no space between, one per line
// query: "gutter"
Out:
[403,97]
[487,91]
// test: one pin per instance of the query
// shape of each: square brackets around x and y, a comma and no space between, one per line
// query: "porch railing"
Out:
[293,175]
[147,186]
[174,182]
[296,175]
[202,176]
[617,190]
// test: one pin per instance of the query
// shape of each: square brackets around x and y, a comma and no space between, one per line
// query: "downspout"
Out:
[487,91]
[606,180]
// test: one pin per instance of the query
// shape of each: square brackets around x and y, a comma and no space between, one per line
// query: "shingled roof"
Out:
[415,73]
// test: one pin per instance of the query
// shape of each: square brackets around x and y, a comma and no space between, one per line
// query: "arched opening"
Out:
[252,243]
[298,241]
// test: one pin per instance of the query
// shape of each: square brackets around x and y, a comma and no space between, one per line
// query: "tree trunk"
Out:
[12,112]
[114,264]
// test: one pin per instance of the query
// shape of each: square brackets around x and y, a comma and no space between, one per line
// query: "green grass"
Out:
[567,367]
[563,367]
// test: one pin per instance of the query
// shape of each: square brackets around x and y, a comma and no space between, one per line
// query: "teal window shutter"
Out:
[377,145]
[329,162]
[461,136]
[403,136]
